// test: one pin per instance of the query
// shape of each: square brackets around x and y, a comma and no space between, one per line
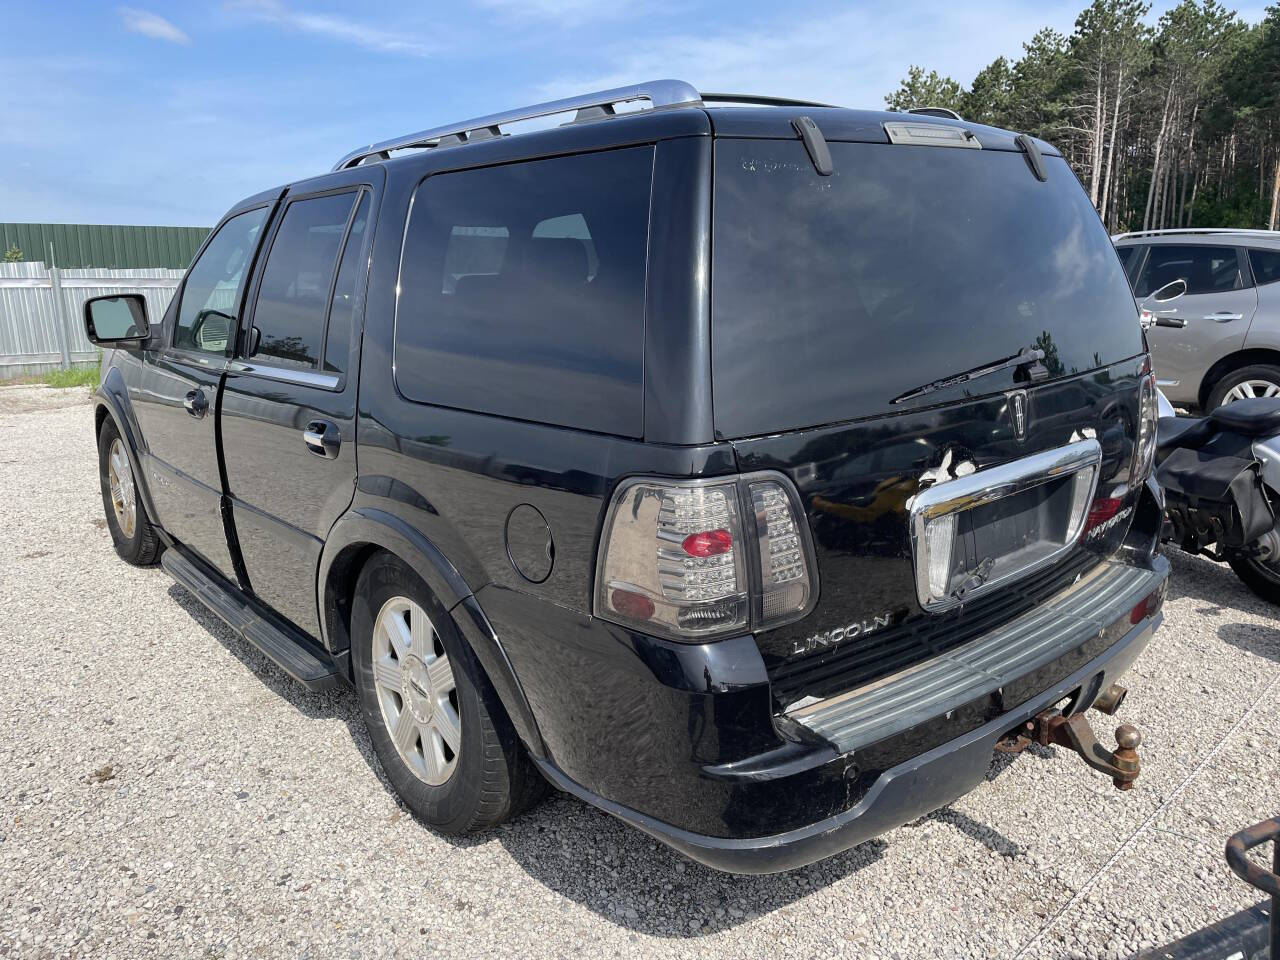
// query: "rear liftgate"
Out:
[1025,515]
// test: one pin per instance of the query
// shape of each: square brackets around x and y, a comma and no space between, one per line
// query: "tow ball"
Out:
[1051,728]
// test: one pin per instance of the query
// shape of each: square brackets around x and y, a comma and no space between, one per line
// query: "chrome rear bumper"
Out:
[933,687]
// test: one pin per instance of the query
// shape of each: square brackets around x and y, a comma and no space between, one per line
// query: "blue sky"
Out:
[169,113]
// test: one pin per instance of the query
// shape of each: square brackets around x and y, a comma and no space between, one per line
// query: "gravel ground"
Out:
[166,791]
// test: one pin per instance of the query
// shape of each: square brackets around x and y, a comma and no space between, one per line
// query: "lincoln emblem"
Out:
[1018,413]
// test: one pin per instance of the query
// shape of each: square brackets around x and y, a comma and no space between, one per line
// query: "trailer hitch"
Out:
[1051,728]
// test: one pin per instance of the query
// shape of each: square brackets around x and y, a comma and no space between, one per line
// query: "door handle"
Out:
[1222,316]
[197,403]
[322,438]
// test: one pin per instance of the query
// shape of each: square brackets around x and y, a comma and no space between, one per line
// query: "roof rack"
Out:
[659,93]
[761,101]
[1202,230]
[945,112]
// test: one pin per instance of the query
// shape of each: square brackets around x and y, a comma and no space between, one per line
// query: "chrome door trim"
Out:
[294,375]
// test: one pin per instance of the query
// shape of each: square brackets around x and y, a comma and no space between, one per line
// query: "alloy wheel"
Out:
[1248,389]
[124,497]
[416,690]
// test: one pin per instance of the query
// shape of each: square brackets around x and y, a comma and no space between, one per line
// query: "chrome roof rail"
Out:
[1182,231]
[945,112]
[659,93]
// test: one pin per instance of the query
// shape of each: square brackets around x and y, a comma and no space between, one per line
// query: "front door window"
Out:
[211,295]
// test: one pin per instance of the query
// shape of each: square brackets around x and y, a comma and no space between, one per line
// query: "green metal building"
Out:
[99,245]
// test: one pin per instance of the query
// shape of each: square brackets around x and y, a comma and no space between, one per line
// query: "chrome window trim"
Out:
[987,486]
[298,377]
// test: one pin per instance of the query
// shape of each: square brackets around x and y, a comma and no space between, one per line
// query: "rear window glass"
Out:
[1266,265]
[1205,269]
[522,291]
[831,296]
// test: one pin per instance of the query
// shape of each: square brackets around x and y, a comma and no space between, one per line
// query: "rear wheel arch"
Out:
[1232,362]
[361,536]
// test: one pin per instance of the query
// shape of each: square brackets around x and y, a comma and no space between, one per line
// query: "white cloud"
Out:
[151,25]
[334,28]
[851,57]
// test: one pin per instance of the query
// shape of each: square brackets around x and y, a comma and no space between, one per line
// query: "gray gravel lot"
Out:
[166,791]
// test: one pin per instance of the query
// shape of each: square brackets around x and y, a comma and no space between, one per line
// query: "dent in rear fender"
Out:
[478,632]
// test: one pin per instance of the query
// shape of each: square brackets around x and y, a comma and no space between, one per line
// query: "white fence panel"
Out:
[40,331]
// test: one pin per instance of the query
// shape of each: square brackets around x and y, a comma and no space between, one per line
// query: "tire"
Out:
[484,776]
[1262,578]
[135,539]
[1259,379]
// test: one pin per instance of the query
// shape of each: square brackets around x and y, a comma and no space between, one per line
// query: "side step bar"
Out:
[296,656]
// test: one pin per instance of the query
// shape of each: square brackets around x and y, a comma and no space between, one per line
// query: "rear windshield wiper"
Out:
[1024,357]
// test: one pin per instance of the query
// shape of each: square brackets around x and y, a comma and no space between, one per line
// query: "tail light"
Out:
[690,559]
[1144,448]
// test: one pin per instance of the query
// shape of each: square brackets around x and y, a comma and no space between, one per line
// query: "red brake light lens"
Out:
[1103,509]
[709,543]
[632,604]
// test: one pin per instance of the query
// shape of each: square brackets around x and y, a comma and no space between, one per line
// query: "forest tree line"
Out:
[1171,125]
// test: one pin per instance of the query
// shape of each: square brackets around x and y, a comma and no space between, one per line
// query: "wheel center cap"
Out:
[415,687]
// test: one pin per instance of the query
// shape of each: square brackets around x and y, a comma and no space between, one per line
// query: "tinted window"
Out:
[1129,258]
[831,296]
[522,291]
[294,292]
[211,294]
[1206,269]
[344,309]
[1266,265]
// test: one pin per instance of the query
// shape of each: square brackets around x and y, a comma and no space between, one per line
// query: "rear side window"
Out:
[522,291]
[293,296]
[1266,265]
[1206,269]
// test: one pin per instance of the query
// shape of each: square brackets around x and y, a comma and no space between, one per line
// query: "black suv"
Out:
[747,468]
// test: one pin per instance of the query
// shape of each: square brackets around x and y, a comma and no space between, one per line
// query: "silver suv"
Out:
[1221,340]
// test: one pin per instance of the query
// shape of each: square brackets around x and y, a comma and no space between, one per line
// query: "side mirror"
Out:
[116,319]
[254,342]
[1170,291]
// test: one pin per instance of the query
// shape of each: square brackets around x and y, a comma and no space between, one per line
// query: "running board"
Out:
[292,653]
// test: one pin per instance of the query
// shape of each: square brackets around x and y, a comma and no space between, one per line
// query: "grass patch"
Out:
[75,377]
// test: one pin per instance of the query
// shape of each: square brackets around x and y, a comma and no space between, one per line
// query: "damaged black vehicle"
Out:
[750,469]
